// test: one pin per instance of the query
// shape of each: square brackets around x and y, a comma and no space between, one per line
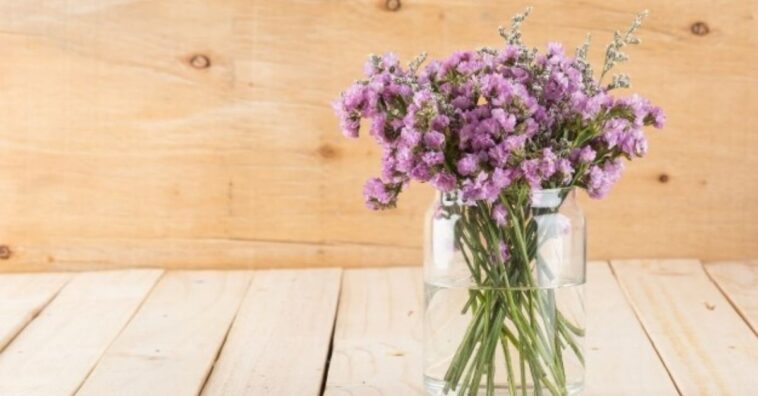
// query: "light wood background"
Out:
[199,133]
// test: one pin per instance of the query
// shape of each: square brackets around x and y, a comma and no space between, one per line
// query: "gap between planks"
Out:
[57,350]
[738,282]
[22,298]
[704,343]
[610,318]
[378,337]
[178,335]
[278,343]
[374,317]
[169,346]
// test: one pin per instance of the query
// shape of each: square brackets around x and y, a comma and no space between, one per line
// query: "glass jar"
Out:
[504,302]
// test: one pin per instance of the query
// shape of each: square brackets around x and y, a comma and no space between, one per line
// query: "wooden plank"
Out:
[739,283]
[377,339]
[56,351]
[616,344]
[83,254]
[110,125]
[706,346]
[279,341]
[169,347]
[22,297]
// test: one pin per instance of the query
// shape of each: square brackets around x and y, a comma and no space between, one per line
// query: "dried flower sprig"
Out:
[513,36]
[613,53]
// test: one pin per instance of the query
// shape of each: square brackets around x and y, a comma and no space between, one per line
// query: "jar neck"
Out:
[450,198]
[544,198]
[553,197]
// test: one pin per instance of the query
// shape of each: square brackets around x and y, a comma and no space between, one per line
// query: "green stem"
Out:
[539,325]
[508,366]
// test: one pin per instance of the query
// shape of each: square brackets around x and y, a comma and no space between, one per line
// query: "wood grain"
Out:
[617,344]
[279,341]
[706,346]
[112,133]
[56,351]
[22,297]
[377,338]
[739,283]
[83,254]
[169,347]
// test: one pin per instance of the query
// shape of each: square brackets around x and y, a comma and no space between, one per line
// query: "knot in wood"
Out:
[699,28]
[200,61]
[5,252]
[392,5]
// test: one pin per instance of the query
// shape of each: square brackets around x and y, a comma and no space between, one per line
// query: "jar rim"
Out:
[540,198]
[551,197]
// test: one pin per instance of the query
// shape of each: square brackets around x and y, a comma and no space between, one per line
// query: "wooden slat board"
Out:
[170,345]
[279,341]
[79,254]
[705,344]
[126,332]
[57,350]
[739,282]
[22,297]
[193,133]
[616,344]
[377,338]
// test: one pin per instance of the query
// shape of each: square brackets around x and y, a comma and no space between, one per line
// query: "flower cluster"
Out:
[481,122]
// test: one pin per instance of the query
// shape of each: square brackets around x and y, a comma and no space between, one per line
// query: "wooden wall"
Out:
[199,133]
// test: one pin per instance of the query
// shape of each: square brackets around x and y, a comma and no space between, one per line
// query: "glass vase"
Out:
[504,302]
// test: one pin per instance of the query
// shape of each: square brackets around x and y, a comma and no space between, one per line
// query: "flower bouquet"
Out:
[506,135]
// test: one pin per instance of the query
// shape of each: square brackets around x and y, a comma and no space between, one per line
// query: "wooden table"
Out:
[654,328]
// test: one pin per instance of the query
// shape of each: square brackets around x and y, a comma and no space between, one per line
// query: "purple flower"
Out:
[512,143]
[596,183]
[584,155]
[640,143]
[433,158]
[555,51]
[530,169]
[656,117]
[434,139]
[633,143]
[498,155]
[378,127]
[468,164]
[444,181]
[565,169]
[421,97]
[421,172]
[389,63]
[405,159]
[473,190]
[350,108]
[431,72]
[379,195]
[440,122]
[502,178]
[505,253]
[410,137]
[487,121]
[350,127]
[506,121]
[614,130]
[547,165]
[594,105]
[482,142]
[499,214]
[601,179]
